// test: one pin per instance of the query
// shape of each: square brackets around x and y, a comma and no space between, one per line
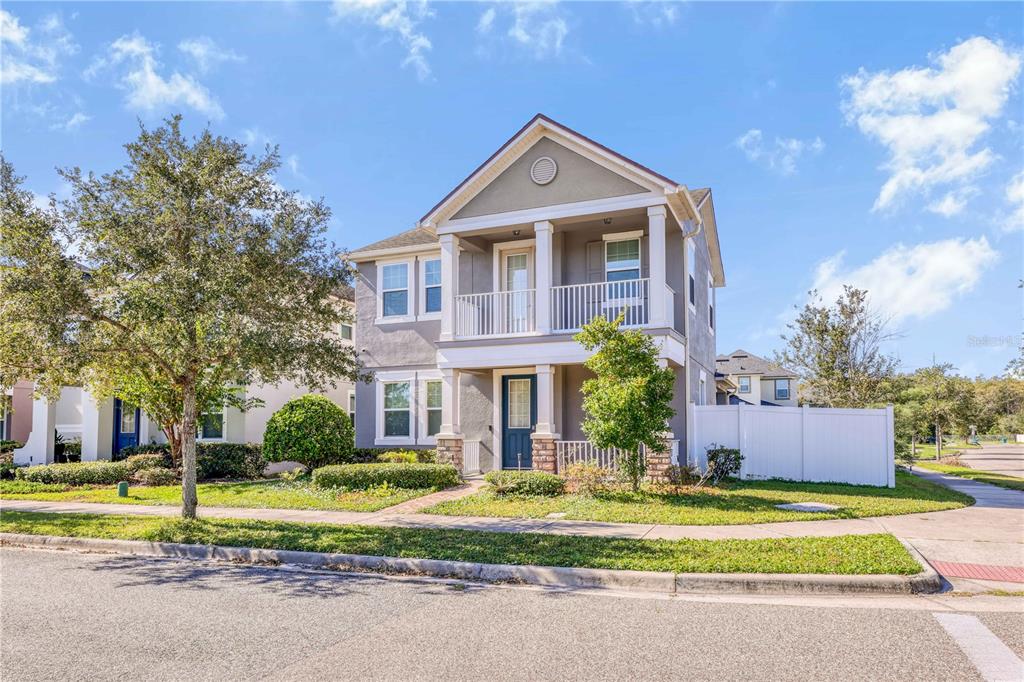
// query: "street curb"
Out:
[548,576]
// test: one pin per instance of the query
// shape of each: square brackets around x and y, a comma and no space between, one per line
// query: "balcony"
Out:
[515,313]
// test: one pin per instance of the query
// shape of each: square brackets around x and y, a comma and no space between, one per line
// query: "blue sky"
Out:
[874,144]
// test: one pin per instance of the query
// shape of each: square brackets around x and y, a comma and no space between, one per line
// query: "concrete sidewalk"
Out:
[991,532]
[1000,459]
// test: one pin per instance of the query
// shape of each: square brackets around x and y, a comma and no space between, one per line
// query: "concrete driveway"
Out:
[1000,459]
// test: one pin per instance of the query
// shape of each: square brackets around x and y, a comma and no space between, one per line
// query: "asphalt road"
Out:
[1001,459]
[72,616]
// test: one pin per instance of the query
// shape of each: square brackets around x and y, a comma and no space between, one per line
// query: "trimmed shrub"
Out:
[27,487]
[155,476]
[722,462]
[364,476]
[525,483]
[78,473]
[312,430]
[587,478]
[9,446]
[148,461]
[398,456]
[213,460]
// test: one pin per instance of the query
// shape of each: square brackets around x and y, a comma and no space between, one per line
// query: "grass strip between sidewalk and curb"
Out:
[992,478]
[879,554]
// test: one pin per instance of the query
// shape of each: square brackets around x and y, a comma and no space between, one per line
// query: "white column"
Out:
[543,276]
[449,284]
[656,246]
[97,427]
[39,446]
[546,426]
[450,426]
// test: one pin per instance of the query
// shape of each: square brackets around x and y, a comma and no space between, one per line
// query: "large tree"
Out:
[837,352]
[166,282]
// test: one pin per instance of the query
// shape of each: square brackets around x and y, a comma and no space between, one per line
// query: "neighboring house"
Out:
[107,426]
[466,320]
[757,381]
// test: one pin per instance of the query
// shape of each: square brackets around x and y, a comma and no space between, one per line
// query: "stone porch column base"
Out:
[544,453]
[449,451]
[658,464]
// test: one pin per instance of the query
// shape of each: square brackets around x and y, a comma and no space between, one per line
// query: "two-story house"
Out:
[755,381]
[466,321]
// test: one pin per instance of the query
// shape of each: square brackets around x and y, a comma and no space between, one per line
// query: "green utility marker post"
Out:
[122,489]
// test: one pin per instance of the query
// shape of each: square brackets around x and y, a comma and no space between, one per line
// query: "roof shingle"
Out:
[417,236]
[741,362]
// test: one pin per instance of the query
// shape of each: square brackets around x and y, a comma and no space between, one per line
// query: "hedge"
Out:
[363,476]
[213,460]
[525,483]
[311,430]
[155,476]
[77,473]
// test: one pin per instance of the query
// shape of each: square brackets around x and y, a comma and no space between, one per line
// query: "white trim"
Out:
[423,377]
[497,265]
[691,260]
[421,279]
[711,317]
[535,215]
[410,301]
[622,236]
[350,405]
[702,389]
[393,252]
[199,426]
[380,379]
[739,383]
[635,236]
[562,352]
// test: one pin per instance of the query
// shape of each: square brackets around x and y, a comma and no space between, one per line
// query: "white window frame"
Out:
[421,266]
[702,389]
[712,313]
[3,417]
[423,377]
[351,329]
[351,406]
[199,427]
[691,274]
[380,380]
[739,384]
[789,389]
[410,277]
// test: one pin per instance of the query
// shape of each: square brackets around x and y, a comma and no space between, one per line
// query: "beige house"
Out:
[745,377]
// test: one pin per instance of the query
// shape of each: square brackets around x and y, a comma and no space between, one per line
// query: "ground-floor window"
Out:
[352,407]
[433,407]
[397,409]
[211,424]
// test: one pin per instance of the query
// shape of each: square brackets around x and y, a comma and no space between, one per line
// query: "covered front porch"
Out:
[525,417]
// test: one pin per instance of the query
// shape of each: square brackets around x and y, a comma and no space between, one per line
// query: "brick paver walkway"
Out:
[1008,574]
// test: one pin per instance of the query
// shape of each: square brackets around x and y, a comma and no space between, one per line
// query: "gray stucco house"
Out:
[466,320]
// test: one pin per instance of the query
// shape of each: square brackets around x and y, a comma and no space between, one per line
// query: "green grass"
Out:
[738,503]
[1001,480]
[848,554]
[948,450]
[271,494]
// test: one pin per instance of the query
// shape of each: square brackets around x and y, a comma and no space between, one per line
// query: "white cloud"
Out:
[537,28]
[254,136]
[73,123]
[395,18]
[207,54]
[135,58]
[953,202]
[907,282]
[781,155]
[293,165]
[24,59]
[930,119]
[1015,197]
[656,14]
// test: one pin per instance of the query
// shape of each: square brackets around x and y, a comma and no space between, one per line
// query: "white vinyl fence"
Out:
[802,443]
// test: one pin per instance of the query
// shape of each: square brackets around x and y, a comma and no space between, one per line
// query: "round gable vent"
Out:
[543,170]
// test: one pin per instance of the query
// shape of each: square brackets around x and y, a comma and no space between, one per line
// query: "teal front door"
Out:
[518,417]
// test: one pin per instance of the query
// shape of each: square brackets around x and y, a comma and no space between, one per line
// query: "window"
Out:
[432,286]
[782,389]
[346,331]
[691,268]
[397,410]
[744,384]
[702,390]
[711,304]
[127,419]
[519,404]
[352,406]
[211,424]
[433,400]
[395,290]
[622,260]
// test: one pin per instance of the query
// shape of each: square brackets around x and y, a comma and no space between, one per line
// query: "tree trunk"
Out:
[913,446]
[938,442]
[189,498]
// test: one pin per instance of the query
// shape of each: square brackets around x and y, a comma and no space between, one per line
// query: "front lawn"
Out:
[927,451]
[1001,480]
[736,503]
[848,554]
[270,494]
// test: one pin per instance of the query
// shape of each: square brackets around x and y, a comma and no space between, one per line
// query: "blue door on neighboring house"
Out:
[518,417]
[126,426]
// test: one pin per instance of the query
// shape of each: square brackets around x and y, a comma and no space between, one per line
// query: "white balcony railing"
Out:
[501,313]
[575,305]
[569,452]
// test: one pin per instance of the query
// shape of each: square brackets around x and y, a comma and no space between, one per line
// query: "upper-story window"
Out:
[691,268]
[711,304]
[431,285]
[622,260]
[744,384]
[782,389]
[395,290]
[345,331]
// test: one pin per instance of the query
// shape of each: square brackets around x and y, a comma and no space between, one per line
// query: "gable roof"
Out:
[417,236]
[741,362]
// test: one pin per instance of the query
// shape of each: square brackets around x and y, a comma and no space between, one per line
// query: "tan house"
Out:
[745,377]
